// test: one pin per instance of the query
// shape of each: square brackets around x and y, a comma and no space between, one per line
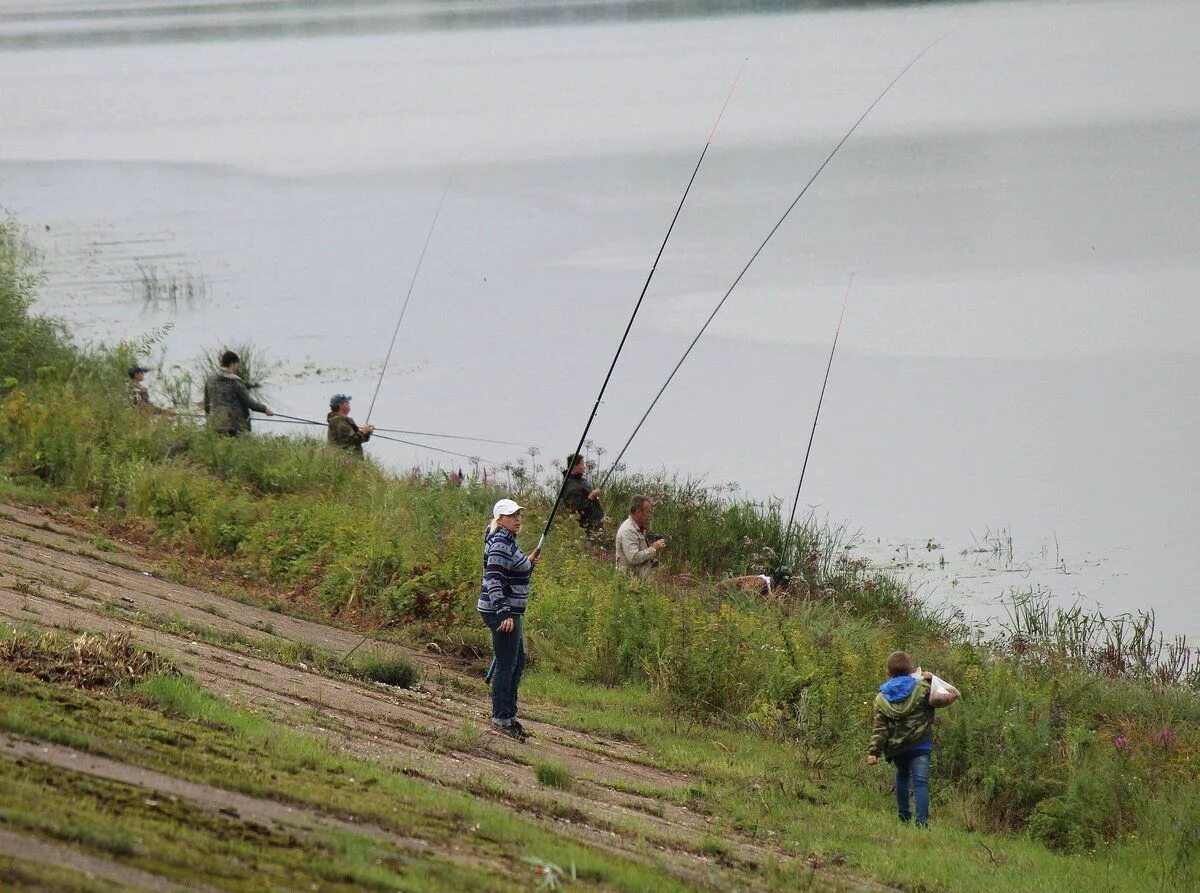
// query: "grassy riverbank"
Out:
[1070,763]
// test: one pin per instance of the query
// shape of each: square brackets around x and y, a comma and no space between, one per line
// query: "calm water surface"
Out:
[1020,215]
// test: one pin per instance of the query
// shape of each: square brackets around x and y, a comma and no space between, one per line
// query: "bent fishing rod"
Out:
[638,306]
[297,420]
[292,420]
[408,297]
[721,303]
[454,437]
[281,419]
[787,537]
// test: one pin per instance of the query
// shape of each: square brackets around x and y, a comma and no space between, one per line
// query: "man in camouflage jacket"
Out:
[227,400]
[343,432]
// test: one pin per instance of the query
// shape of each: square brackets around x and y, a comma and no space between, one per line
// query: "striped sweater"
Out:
[506,574]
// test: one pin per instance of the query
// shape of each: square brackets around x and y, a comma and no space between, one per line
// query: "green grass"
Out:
[395,671]
[176,839]
[33,877]
[1063,743]
[554,775]
[186,731]
[840,813]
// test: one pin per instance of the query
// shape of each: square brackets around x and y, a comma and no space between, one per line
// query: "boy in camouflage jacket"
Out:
[903,734]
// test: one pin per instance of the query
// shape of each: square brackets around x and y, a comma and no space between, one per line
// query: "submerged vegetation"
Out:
[1080,732]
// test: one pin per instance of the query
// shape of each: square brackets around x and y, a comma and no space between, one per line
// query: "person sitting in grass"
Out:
[903,733]
[507,577]
[343,432]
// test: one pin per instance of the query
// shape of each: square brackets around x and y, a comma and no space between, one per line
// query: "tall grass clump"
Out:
[554,775]
[27,342]
[389,670]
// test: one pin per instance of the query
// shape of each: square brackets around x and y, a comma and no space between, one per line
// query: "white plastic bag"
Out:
[941,692]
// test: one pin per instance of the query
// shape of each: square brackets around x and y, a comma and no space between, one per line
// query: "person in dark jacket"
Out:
[343,432]
[227,400]
[903,734]
[507,576]
[581,497]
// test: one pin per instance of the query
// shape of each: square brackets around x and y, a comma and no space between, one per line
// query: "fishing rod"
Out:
[787,538]
[637,307]
[454,437]
[616,462]
[282,419]
[408,297]
[291,420]
[297,420]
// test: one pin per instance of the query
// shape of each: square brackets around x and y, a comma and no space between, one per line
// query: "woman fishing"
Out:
[506,582]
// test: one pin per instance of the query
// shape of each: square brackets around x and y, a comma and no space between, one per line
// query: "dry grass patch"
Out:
[89,661]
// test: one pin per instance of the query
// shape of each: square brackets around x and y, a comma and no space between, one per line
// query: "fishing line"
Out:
[408,297]
[454,437]
[787,539]
[297,420]
[290,420]
[638,306]
[759,250]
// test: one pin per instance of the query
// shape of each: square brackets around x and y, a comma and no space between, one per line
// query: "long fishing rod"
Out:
[408,297]
[293,420]
[638,306]
[787,537]
[297,420]
[454,437]
[617,461]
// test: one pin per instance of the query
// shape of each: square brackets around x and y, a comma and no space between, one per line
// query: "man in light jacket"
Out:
[635,555]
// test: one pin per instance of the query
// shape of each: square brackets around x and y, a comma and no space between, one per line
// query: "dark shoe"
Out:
[513,731]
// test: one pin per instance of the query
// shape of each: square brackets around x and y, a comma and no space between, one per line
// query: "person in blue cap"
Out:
[343,432]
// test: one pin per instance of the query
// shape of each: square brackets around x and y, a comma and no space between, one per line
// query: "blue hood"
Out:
[899,688]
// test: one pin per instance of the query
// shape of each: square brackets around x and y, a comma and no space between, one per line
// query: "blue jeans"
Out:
[509,649]
[912,770]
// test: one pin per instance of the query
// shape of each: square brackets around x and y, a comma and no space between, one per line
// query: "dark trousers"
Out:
[509,649]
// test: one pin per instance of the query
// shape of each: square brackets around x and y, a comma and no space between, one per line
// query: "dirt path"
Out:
[52,575]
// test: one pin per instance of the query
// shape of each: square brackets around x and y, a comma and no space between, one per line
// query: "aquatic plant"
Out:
[166,290]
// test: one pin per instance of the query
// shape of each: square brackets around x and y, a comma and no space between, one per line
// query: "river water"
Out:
[1014,400]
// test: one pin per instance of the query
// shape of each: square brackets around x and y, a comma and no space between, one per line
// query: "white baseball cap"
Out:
[505,507]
